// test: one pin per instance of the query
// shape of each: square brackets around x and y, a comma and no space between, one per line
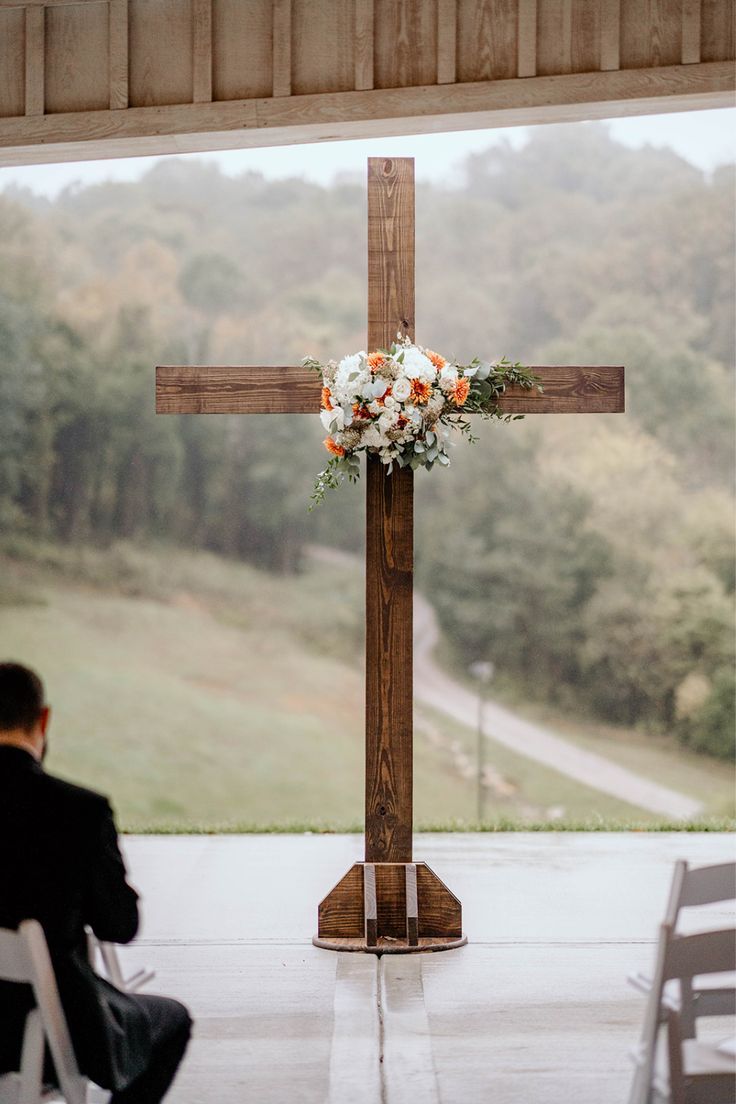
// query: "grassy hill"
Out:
[199,692]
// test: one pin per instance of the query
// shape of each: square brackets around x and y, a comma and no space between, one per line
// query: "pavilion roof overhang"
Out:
[114,78]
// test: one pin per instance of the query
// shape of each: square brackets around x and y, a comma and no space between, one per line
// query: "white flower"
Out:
[374,389]
[372,437]
[449,372]
[333,420]
[401,389]
[418,366]
[375,408]
[351,376]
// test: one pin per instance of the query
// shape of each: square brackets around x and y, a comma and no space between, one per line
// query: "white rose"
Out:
[401,389]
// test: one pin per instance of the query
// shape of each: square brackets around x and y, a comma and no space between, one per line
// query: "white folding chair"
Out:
[110,962]
[24,958]
[694,888]
[700,1074]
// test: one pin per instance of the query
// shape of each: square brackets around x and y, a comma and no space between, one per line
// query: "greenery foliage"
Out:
[590,558]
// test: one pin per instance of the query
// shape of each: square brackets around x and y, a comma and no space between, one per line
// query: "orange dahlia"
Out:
[438,361]
[376,361]
[461,390]
[326,396]
[333,447]
[420,391]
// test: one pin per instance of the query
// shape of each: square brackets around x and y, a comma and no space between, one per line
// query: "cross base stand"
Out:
[390,908]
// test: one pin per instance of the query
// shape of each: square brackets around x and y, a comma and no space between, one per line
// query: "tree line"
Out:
[590,558]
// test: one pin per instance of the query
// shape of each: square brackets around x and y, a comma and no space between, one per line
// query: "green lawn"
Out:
[200,693]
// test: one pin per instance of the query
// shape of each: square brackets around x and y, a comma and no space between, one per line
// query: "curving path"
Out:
[434,687]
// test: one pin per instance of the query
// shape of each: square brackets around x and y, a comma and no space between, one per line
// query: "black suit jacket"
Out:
[60,864]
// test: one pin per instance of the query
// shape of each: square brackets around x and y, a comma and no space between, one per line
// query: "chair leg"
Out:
[31,1063]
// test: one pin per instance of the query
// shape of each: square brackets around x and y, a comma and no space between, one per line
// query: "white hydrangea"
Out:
[352,375]
[418,366]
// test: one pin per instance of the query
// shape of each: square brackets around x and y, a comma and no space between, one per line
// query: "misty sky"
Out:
[706,138]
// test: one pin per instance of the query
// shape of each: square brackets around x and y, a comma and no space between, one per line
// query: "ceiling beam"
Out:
[290,120]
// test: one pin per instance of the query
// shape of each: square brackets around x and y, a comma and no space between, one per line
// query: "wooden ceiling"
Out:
[86,79]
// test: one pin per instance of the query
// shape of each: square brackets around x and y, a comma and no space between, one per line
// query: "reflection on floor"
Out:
[535,1010]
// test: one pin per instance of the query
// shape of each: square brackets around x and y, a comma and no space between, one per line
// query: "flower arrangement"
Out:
[402,404]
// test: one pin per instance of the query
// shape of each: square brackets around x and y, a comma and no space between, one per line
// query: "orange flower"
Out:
[333,447]
[420,391]
[361,412]
[376,361]
[461,390]
[438,361]
[326,396]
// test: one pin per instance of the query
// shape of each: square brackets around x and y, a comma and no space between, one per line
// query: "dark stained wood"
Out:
[389,538]
[568,389]
[342,912]
[440,912]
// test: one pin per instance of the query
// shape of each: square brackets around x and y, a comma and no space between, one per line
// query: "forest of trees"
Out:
[591,558]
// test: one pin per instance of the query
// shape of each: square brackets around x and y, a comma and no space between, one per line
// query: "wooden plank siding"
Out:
[142,76]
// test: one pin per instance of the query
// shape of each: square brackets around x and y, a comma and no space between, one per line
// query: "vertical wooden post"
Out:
[389,533]
[389,903]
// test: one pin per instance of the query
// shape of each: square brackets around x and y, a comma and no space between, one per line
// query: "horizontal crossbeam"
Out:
[567,389]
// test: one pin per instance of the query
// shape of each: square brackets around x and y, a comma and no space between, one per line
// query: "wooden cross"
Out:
[388,902]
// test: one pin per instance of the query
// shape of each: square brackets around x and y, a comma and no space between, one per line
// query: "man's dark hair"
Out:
[21,697]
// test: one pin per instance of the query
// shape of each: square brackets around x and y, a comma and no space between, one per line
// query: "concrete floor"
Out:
[535,1010]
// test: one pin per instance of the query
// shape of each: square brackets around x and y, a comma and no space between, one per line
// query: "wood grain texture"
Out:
[405,33]
[718,41]
[281,47]
[341,915]
[201,51]
[610,34]
[35,61]
[160,63]
[389,591]
[258,123]
[242,49]
[363,44]
[12,62]
[554,36]
[194,389]
[72,32]
[651,33]
[323,47]
[389,534]
[585,30]
[446,41]
[691,21]
[118,50]
[526,65]
[487,38]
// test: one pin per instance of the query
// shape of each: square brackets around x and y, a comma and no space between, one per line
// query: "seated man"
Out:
[60,864]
